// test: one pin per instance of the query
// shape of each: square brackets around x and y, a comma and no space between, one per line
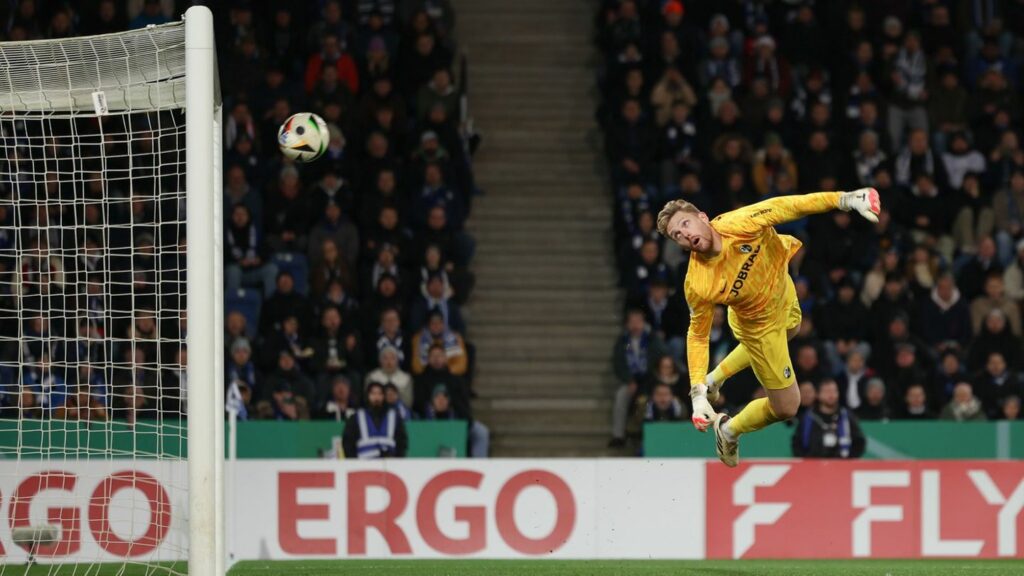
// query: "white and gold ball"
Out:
[303,137]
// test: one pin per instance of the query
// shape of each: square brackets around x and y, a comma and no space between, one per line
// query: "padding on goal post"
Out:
[111,404]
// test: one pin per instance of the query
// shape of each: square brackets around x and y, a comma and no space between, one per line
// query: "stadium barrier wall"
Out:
[938,440]
[256,439]
[610,508]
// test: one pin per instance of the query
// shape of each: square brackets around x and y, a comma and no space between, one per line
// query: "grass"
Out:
[559,568]
[631,568]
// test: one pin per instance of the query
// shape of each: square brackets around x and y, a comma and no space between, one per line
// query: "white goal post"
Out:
[111,302]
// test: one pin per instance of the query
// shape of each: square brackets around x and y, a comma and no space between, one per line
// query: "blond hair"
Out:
[670,210]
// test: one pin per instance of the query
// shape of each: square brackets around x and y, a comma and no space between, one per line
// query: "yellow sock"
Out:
[754,416]
[735,362]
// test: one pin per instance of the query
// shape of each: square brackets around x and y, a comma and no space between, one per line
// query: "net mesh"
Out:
[93,303]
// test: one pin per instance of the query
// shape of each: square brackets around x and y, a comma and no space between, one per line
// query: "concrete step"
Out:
[600,297]
[596,351]
[554,335]
[551,367]
[548,444]
[562,386]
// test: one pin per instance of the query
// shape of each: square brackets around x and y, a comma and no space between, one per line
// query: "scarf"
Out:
[385,341]
[636,353]
[234,402]
[239,251]
[448,340]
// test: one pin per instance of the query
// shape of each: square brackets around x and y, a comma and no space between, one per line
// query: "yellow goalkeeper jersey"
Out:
[749,274]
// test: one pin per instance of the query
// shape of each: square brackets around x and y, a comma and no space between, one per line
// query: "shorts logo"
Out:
[745,248]
[787,372]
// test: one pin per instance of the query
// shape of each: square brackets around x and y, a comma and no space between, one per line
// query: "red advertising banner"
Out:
[844,509]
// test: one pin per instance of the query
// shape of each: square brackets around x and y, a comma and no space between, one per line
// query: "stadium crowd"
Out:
[728,103]
[341,275]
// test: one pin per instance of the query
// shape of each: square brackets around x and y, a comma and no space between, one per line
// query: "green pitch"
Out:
[633,568]
[559,568]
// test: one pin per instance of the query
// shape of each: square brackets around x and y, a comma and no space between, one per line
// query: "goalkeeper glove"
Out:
[703,413]
[864,200]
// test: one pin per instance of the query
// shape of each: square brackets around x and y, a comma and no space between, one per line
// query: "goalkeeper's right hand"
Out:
[703,413]
[863,200]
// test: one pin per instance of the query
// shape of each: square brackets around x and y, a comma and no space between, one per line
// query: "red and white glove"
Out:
[703,413]
[864,201]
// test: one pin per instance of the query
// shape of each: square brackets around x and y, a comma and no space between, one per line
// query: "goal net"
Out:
[110,411]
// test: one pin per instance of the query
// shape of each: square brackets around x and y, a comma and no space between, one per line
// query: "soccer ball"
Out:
[303,137]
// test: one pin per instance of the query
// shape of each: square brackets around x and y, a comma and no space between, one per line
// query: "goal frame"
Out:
[204,297]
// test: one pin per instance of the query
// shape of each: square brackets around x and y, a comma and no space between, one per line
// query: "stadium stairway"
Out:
[544,313]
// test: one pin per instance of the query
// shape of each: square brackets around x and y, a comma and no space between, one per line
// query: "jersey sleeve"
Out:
[697,356]
[751,219]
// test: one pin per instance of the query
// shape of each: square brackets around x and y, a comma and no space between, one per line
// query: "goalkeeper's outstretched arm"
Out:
[750,219]
[697,356]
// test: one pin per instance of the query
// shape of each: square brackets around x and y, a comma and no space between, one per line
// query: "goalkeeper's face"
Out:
[691,231]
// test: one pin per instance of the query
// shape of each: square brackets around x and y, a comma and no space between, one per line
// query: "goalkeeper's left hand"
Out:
[865,201]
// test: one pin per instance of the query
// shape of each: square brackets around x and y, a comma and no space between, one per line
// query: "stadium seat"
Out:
[298,266]
[247,302]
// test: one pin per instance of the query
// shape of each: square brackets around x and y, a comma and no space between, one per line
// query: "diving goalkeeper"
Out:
[739,260]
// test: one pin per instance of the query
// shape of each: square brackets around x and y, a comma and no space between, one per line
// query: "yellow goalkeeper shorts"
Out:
[769,352]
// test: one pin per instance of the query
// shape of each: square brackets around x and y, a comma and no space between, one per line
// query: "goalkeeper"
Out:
[740,261]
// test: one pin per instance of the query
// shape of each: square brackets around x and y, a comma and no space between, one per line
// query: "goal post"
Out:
[111,302]
[205,423]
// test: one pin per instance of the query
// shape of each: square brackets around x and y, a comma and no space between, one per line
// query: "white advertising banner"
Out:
[465,508]
[94,511]
[280,509]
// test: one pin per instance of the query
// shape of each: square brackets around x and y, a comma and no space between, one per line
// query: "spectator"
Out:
[1010,408]
[975,219]
[338,350]
[284,302]
[995,298]
[152,14]
[390,373]
[394,402]
[289,214]
[949,374]
[663,405]
[375,431]
[242,371]
[829,430]
[438,91]
[875,405]
[337,227]
[908,76]
[961,160]
[995,382]
[917,158]
[340,404]
[915,405]
[330,267]
[44,391]
[945,316]
[634,358]
[289,391]
[853,380]
[437,374]
[964,406]
[332,55]
[436,332]
[768,161]
[1008,212]
[246,255]
[979,267]
[947,107]
[441,407]
[434,299]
